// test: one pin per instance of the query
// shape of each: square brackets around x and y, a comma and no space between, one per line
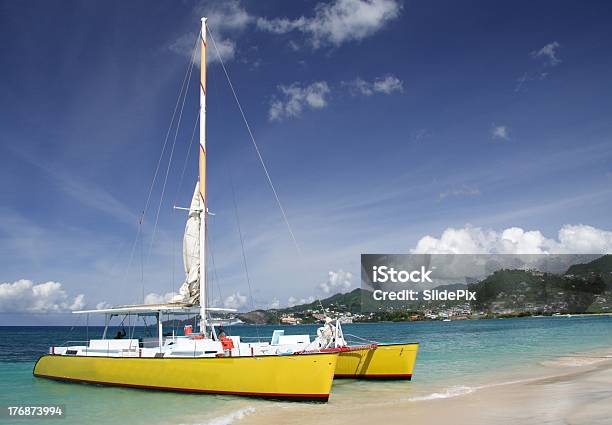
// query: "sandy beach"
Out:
[574,390]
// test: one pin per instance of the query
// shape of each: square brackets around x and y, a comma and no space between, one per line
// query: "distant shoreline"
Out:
[517,316]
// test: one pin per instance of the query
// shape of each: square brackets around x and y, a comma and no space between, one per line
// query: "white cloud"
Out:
[235,300]
[359,86]
[547,57]
[337,281]
[585,239]
[228,15]
[548,53]
[275,303]
[294,46]
[500,132]
[293,301]
[387,85]
[226,50]
[185,44]
[224,18]
[307,300]
[102,305]
[332,24]
[572,239]
[462,191]
[528,77]
[295,97]
[337,22]
[420,135]
[154,298]
[49,297]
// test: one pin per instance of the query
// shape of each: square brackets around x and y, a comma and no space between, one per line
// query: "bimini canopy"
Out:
[153,309]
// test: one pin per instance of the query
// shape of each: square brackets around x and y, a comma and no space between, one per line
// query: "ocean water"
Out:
[454,358]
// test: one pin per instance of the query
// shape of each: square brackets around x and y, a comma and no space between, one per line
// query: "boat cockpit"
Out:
[138,340]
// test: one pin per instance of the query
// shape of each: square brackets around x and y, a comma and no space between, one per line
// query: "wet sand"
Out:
[572,390]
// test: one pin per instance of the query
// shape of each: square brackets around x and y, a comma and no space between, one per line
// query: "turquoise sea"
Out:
[453,355]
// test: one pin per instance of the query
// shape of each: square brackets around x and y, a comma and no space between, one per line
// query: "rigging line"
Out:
[244,260]
[117,257]
[187,72]
[211,243]
[178,188]
[129,265]
[215,276]
[142,266]
[146,207]
[195,127]
[173,264]
[297,247]
[178,126]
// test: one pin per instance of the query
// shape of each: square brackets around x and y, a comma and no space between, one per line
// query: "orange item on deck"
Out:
[227,343]
[188,330]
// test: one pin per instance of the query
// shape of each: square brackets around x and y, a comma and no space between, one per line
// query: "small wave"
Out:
[448,393]
[573,361]
[231,417]
[462,390]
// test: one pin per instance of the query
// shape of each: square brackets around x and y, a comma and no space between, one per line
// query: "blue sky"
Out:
[381,122]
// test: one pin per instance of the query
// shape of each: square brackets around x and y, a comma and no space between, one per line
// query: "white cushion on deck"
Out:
[293,339]
[113,344]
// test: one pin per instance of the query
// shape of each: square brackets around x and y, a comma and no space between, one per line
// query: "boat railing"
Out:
[102,348]
[355,337]
[348,337]
[270,337]
[74,343]
[150,343]
[256,338]
[381,340]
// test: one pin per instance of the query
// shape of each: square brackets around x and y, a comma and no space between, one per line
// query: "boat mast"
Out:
[202,177]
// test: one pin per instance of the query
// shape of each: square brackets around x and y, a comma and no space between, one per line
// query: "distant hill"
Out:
[357,301]
[349,301]
[259,317]
[581,289]
[601,266]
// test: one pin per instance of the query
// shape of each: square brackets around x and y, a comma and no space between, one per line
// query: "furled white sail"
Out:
[190,290]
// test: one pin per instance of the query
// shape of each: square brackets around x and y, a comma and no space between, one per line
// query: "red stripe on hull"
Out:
[280,396]
[400,376]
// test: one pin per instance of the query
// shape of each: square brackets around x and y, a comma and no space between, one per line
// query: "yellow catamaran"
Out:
[203,361]
[360,358]
[287,367]
[378,361]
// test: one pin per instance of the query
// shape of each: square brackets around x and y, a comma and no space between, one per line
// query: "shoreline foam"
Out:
[562,391]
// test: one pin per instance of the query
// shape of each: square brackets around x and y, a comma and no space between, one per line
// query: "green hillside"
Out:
[583,288]
[349,302]
[601,266]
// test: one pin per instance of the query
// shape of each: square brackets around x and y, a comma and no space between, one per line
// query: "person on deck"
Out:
[221,333]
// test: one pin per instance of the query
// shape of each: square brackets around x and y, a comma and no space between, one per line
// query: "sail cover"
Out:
[190,289]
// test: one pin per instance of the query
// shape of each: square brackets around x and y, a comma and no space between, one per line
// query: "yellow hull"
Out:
[390,361]
[299,377]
